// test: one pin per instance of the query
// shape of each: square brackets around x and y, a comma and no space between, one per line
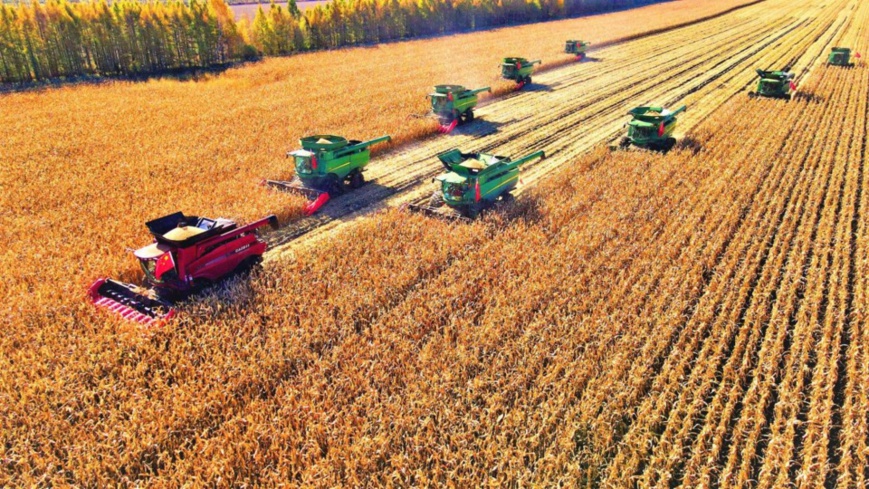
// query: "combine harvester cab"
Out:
[473,181]
[576,48]
[188,253]
[324,165]
[454,104]
[774,84]
[651,128]
[518,70]
[841,57]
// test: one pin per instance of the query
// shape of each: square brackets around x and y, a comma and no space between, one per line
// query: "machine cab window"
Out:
[304,161]
[439,103]
[455,189]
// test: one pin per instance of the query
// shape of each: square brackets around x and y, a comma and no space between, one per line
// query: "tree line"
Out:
[59,38]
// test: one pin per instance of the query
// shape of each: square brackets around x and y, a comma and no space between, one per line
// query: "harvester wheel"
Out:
[625,142]
[169,295]
[528,80]
[249,264]
[508,198]
[201,284]
[436,199]
[472,211]
[669,144]
[335,186]
[469,115]
[357,179]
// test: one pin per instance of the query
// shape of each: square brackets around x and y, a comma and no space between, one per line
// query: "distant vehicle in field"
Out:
[841,57]
[651,128]
[774,84]
[518,70]
[473,182]
[577,48]
[324,165]
[453,104]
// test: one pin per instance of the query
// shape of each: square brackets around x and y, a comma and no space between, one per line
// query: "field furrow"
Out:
[849,444]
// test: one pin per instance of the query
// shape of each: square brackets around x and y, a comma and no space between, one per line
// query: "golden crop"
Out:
[86,165]
[690,319]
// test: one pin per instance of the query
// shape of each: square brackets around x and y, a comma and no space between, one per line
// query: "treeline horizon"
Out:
[62,39]
[229,2]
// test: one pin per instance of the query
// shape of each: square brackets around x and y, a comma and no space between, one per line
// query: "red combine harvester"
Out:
[188,253]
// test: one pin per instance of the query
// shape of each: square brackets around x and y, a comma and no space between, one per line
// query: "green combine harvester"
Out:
[473,182]
[453,104]
[774,84]
[325,165]
[518,70]
[577,48]
[651,128]
[841,57]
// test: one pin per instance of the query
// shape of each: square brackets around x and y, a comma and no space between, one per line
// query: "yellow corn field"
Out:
[633,319]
